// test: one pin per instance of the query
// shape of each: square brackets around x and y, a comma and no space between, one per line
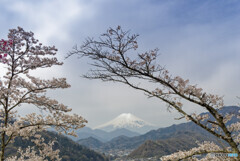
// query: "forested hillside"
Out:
[69,150]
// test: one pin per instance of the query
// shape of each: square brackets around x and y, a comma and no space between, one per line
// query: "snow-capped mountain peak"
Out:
[127,121]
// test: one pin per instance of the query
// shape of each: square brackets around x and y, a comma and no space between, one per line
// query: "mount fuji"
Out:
[127,121]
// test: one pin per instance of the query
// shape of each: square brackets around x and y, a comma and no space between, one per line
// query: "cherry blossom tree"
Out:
[23,55]
[114,59]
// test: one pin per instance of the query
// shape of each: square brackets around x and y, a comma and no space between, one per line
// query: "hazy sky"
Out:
[198,40]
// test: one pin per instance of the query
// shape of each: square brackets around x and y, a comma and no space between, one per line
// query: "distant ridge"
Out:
[101,135]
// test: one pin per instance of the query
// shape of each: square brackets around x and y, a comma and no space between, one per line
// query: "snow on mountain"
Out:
[127,121]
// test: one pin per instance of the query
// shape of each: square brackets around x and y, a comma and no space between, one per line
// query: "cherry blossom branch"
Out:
[204,148]
[111,62]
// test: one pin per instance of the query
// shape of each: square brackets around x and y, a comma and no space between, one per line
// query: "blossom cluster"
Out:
[42,151]
[5,46]
[203,148]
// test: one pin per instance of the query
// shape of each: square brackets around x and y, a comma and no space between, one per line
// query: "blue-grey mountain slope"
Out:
[102,135]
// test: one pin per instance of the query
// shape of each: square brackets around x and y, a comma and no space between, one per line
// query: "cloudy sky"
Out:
[198,40]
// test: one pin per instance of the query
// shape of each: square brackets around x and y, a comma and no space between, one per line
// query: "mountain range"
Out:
[159,142]
[102,135]
[123,142]
[125,124]
[179,140]
[183,137]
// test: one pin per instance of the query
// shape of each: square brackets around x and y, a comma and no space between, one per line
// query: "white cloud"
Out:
[50,20]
